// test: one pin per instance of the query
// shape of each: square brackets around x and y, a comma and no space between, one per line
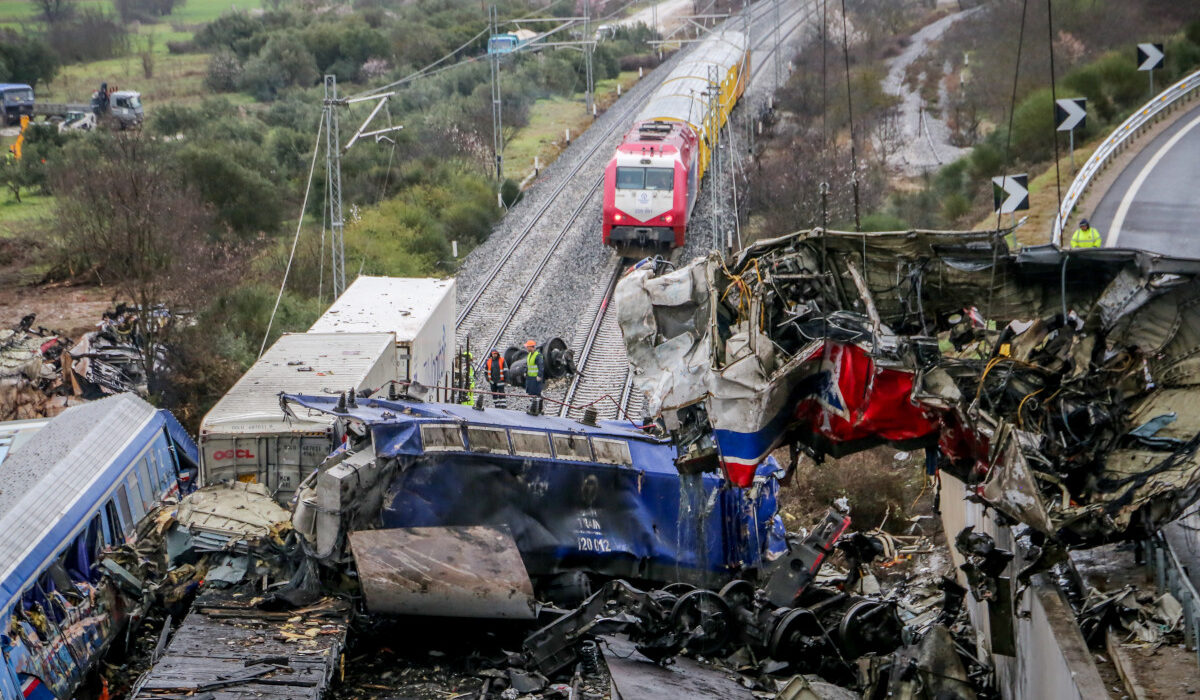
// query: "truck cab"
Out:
[16,99]
[124,106]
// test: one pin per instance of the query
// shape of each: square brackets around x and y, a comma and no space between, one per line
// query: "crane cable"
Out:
[1012,108]
[850,115]
[1053,98]
[300,222]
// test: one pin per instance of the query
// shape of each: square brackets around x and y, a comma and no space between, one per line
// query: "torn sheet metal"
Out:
[232,510]
[1037,376]
[443,571]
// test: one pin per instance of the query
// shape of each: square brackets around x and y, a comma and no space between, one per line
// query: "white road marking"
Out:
[1126,202]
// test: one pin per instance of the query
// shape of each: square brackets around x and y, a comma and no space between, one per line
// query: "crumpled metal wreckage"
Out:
[1058,384]
[910,642]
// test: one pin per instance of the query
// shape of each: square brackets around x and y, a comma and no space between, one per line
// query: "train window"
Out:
[661,179]
[612,451]
[136,498]
[488,440]
[126,514]
[631,178]
[112,524]
[530,444]
[440,438]
[573,447]
[149,480]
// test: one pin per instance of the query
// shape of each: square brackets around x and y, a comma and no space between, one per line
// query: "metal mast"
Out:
[587,55]
[333,186]
[714,156]
[497,134]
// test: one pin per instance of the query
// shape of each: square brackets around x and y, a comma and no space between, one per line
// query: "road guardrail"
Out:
[1117,141]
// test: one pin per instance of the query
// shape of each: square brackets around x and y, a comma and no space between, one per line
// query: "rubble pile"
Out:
[225,562]
[1057,383]
[43,372]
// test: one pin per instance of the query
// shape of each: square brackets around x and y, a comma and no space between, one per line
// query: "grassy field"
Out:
[548,119]
[175,78]
[14,217]
[182,22]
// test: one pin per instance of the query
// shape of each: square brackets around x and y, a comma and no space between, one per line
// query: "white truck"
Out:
[420,311]
[247,437]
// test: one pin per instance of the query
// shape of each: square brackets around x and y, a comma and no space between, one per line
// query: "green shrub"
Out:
[510,193]
[882,221]
[224,71]
[230,178]
[284,61]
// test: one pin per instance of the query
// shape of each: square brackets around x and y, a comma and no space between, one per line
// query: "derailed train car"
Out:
[561,501]
[76,488]
[1056,383]
[651,183]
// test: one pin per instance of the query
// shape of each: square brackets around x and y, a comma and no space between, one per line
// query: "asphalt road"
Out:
[1154,204]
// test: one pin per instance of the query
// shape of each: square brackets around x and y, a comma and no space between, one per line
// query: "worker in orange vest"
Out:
[494,371]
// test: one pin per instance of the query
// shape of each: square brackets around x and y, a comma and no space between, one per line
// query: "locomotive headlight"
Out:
[618,216]
[669,218]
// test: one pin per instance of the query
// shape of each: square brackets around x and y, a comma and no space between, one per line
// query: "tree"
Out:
[89,34]
[283,62]
[129,220]
[16,175]
[51,11]
[26,59]
[229,177]
[224,71]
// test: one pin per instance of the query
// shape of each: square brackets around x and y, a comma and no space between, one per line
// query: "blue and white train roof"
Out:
[50,485]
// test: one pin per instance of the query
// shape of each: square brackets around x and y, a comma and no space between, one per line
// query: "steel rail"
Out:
[592,337]
[496,272]
[566,180]
[590,344]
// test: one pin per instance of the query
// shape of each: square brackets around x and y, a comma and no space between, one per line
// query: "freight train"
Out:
[650,185]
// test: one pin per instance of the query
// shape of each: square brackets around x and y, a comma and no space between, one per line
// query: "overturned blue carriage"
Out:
[452,496]
[70,491]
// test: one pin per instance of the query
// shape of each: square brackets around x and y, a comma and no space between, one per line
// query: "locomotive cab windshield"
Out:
[653,179]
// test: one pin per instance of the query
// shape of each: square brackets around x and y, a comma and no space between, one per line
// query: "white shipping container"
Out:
[247,437]
[419,310]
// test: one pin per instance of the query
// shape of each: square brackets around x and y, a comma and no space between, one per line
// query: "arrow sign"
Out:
[1070,113]
[1149,56]
[1010,193]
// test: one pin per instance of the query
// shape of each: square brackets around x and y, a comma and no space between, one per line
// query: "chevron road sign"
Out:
[1010,193]
[1149,56]
[1070,113]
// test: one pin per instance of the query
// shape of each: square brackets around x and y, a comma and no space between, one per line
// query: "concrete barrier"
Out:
[1049,658]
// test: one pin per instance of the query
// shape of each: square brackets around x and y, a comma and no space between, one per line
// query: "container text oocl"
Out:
[232,454]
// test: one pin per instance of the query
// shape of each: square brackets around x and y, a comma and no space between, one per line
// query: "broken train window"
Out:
[441,437]
[488,440]
[573,447]
[527,443]
[612,451]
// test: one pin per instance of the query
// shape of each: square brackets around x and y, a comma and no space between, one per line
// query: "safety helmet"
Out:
[494,352]
[1084,223]
[530,344]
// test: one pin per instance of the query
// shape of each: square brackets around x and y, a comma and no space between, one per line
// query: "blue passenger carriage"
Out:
[77,486]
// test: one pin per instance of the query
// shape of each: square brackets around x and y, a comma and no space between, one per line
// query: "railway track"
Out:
[486,318]
[605,381]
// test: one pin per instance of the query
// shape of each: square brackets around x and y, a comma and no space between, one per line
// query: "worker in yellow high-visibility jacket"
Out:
[1085,236]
